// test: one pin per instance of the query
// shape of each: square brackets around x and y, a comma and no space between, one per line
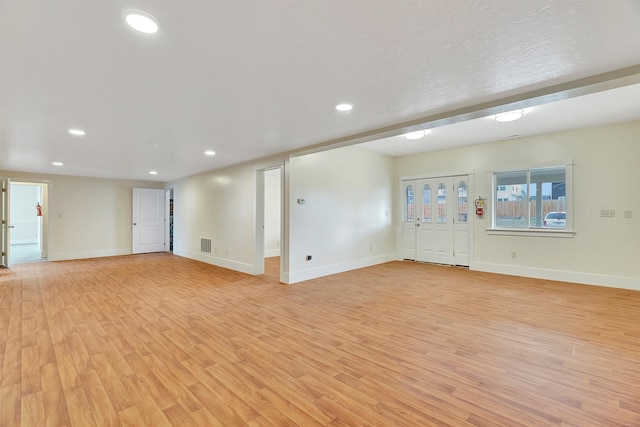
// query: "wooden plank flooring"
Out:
[160,340]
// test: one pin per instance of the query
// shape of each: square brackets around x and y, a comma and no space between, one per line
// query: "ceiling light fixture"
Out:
[153,172]
[57,163]
[509,116]
[344,106]
[142,21]
[417,135]
[77,132]
[209,153]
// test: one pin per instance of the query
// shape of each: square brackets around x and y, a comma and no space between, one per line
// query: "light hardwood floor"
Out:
[160,340]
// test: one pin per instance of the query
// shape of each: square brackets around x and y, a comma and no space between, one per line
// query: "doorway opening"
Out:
[28,213]
[168,238]
[269,221]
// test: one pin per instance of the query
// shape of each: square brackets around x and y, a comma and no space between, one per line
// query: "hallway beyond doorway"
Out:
[23,253]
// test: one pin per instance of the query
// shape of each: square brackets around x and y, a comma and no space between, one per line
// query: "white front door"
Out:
[148,220]
[5,225]
[435,231]
[435,226]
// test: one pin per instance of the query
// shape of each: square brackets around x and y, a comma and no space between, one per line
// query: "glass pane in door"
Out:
[408,205]
[426,203]
[463,207]
[442,204]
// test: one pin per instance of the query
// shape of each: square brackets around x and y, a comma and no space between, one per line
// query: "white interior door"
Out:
[5,224]
[148,220]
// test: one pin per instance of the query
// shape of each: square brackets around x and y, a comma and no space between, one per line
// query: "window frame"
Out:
[529,231]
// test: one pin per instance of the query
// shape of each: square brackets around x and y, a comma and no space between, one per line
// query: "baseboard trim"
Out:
[314,273]
[65,256]
[23,241]
[218,262]
[271,253]
[560,275]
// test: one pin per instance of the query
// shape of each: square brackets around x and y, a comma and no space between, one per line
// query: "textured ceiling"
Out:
[254,78]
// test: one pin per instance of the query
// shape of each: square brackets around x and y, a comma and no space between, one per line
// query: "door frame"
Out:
[471,212]
[169,196]
[5,222]
[45,186]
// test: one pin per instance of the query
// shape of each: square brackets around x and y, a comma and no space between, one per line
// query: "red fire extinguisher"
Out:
[479,207]
[38,210]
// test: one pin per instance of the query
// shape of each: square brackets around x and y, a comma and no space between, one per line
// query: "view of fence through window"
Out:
[533,198]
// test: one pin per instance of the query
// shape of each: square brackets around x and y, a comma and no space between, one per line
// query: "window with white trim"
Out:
[530,199]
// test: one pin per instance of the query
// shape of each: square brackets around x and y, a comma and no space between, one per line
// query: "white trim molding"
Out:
[632,283]
[219,262]
[326,270]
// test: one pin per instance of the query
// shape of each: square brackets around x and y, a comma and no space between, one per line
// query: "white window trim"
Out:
[530,232]
[568,232]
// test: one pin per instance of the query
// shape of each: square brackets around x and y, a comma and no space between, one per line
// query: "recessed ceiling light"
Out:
[417,135]
[57,163]
[344,106]
[210,153]
[509,116]
[142,21]
[153,172]
[77,132]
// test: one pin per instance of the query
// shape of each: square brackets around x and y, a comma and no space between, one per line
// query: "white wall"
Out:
[221,206]
[344,224]
[272,211]
[604,251]
[23,213]
[345,221]
[87,217]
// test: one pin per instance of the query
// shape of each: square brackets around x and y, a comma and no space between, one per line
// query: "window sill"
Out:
[531,232]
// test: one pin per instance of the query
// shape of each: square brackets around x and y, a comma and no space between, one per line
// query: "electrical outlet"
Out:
[607,213]
[627,214]
[514,255]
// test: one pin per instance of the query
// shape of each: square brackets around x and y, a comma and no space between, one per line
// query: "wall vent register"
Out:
[205,246]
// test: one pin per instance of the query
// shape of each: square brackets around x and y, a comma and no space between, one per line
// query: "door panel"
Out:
[148,220]
[408,220]
[434,238]
[426,224]
[461,224]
